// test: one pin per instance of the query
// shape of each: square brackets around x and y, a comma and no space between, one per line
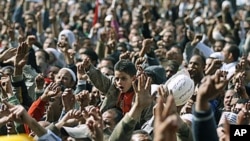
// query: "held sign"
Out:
[182,87]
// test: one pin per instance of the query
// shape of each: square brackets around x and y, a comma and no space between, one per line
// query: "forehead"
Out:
[239,105]
[175,49]
[136,38]
[196,59]
[53,68]
[109,114]
[229,93]
[121,74]
[64,72]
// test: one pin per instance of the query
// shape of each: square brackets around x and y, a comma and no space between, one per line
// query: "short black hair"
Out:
[203,59]
[110,58]
[126,66]
[221,40]
[173,64]
[242,101]
[235,51]
[119,114]
[46,54]
[91,54]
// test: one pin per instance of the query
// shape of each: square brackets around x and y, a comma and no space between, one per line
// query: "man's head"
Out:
[66,77]
[136,42]
[42,59]
[89,53]
[125,73]
[168,38]
[196,66]
[107,71]
[171,67]
[175,53]
[107,62]
[239,105]
[141,135]
[219,45]
[111,118]
[49,43]
[227,99]
[231,53]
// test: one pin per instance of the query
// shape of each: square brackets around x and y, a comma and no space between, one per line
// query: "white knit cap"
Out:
[71,72]
[69,34]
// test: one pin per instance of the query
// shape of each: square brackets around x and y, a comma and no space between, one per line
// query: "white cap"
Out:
[182,87]
[71,73]
[226,4]
[108,18]
[217,55]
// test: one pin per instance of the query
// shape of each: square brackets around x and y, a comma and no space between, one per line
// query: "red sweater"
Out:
[36,111]
[125,101]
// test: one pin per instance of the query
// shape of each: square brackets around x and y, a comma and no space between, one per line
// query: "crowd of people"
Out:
[124,70]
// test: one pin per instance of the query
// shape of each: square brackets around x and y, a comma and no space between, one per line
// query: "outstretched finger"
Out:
[168,106]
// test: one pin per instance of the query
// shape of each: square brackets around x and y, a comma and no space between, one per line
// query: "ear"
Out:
[230,56]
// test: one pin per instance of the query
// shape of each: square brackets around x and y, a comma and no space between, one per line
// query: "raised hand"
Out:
[86,64]
[68,99]
[209,89]
[241,66]
[147,16]
[83,98]
[197,39]
[146,46]
[81,74]
[125,55]
[142,91]
[21,56]
[71,118]
[6,87]
[161,52]
[31,39]
[239,85]
[52,90]
[166,123]
[243,117]
[140,61]
[7,54]
[38,16]
[216,64]
[95,124]
[39,81]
